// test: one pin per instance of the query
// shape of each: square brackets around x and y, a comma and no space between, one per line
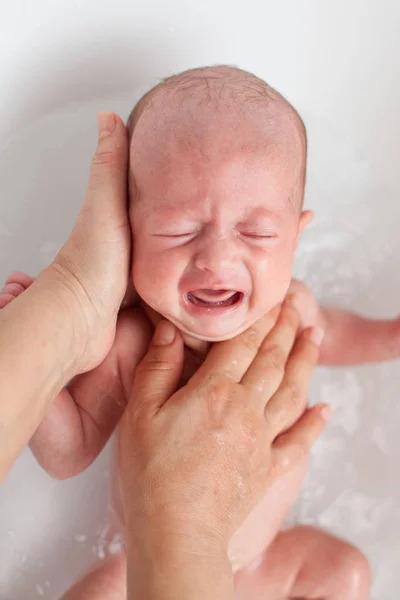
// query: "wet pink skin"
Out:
[222,220]
[233,229]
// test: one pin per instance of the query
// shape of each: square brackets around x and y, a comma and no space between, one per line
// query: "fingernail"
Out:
[164,334]
[317,335]
[326,412]
[106,123]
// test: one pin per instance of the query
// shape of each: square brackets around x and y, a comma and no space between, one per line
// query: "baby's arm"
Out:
[83,416]
[349,338]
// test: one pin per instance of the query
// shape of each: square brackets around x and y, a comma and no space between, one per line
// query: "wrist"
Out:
[63,301]
[167,567]
[38,334]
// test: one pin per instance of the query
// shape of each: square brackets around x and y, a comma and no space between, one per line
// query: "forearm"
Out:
[352,339]
[37,343]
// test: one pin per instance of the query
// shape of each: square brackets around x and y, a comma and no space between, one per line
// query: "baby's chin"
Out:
[223,333]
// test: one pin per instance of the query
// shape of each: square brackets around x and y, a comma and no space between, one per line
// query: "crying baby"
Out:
[216,184]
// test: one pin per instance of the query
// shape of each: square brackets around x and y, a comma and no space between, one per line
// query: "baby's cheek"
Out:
[154,278]
[148,273]
[271,283]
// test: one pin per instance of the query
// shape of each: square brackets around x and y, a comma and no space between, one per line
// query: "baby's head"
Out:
[217,173]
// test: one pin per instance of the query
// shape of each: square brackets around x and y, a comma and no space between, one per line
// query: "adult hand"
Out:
[92,269]
[195,462]
[64,324]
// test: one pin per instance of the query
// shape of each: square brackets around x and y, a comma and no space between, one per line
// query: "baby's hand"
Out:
[16,283]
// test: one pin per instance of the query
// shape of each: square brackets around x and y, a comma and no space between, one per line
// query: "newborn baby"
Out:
[217,174]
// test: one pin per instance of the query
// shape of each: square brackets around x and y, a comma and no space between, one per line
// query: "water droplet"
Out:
[103,531]
[116,544]
[99,551]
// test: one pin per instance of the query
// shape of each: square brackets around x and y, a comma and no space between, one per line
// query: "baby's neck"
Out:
[198,347]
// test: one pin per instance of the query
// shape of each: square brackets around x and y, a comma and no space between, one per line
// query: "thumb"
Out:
[98,249]
[108,173]
[104,209]
[157,376]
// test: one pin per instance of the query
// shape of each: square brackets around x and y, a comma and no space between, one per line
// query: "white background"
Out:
[338,63]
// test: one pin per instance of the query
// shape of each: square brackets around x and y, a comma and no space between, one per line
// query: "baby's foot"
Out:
[16,283]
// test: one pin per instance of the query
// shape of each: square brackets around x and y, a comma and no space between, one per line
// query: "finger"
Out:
[106,197]
[157,376]
[102,224]
[231,358]
[14,289]
[6,299]
[21,278]
[288,403]
[266,372]
[294,445]
[108,173]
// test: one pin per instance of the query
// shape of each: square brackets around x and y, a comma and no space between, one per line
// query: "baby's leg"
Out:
[106,581]
[306,563]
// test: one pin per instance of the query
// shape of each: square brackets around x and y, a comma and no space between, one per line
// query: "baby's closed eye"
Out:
[178,237]
[257,236]
[180,234]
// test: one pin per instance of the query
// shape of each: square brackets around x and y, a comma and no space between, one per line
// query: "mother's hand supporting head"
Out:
[93,265]
[64,324]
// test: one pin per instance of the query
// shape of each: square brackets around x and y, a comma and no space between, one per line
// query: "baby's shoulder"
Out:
[306,303]
[299,287]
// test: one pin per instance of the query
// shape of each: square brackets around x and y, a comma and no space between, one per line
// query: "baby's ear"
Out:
[305,218]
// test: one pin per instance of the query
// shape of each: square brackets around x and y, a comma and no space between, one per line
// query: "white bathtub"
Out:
[61,62]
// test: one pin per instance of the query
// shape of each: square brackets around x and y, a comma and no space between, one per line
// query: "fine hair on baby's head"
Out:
[216,182]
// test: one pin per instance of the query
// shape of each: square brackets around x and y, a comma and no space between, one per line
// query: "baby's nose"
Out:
[216,257]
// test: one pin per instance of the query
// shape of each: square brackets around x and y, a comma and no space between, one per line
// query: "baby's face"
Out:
[214,236]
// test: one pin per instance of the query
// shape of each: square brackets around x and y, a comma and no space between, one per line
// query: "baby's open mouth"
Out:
[214,298]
